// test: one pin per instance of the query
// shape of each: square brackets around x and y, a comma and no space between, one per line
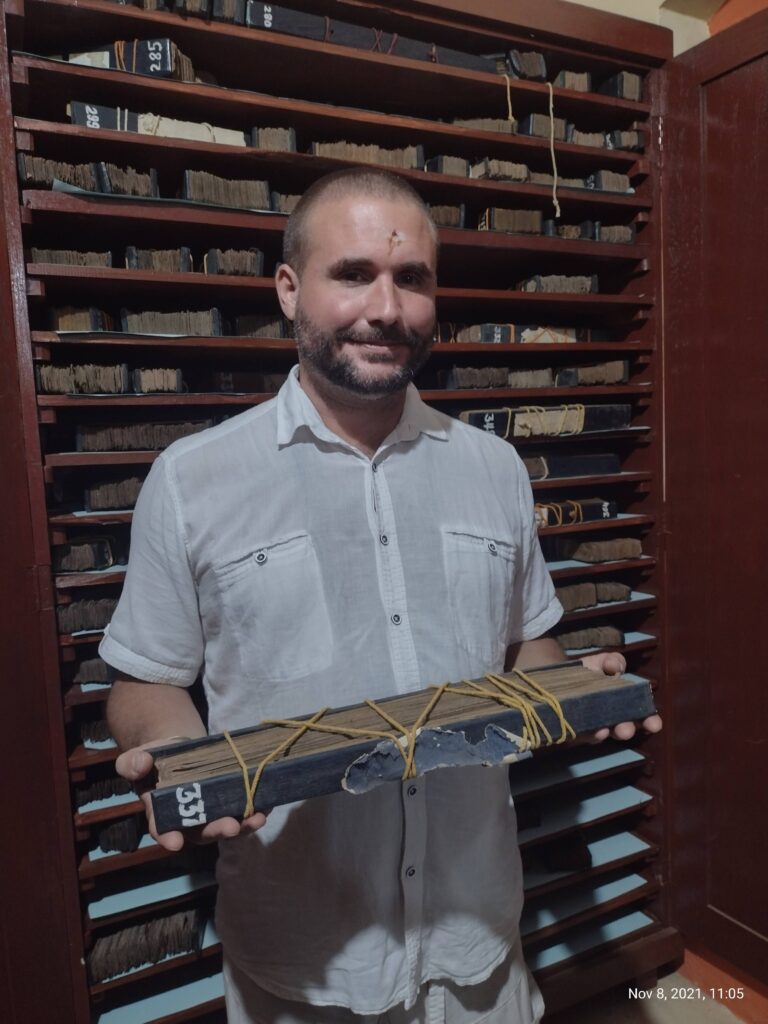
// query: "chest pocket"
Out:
[274,609]
[479,576]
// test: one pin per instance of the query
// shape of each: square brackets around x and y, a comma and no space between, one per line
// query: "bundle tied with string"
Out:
[493,720]
[507,693]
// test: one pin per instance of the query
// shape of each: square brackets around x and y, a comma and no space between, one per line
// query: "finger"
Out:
[134,764]
[227,828]
[624,730]
[254,823]
[599,736]
[614,664]
[170,841]
[222,828]
[653,724]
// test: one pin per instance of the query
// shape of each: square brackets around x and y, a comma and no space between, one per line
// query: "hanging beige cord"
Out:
[555,202]
[510,115]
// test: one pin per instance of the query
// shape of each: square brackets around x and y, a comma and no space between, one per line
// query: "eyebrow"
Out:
[348,264]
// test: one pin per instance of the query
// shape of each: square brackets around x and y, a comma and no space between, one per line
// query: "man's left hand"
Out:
[611,663]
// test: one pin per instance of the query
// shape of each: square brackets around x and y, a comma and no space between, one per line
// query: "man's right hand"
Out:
[136,764]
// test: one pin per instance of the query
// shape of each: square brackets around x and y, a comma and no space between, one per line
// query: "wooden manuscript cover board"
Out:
[200,780]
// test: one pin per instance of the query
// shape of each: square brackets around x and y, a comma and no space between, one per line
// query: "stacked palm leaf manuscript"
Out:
[493,720]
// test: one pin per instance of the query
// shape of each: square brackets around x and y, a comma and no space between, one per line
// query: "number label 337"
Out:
[191,808]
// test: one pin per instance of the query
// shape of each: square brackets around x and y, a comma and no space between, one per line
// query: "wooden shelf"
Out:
[76,696]
[107,281]
[610,609]
[563,571]
[563,880]
[180,398]
[648,643]
[91,636]
[56,460]
[277,63]
[42,205]
[44,341]
[620,522]
[90,518]
[638,434]
[85,757]
[119,861]
[606,479]
[164,966]
[47,85]
[87,819]
[592,813]
[255,398]
[131,914]
[639,895]
[554,774]
[93,578]
[607,964]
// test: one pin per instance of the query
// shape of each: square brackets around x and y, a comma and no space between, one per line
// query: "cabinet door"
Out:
[716,369]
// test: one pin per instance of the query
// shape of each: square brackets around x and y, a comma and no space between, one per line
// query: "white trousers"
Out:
[506,997]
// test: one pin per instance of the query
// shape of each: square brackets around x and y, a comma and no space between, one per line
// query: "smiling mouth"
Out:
[377,343]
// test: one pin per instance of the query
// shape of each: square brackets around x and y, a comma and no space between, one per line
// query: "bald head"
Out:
[352,181]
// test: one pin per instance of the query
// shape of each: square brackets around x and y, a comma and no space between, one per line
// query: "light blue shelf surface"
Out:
[603,851]
[559,906]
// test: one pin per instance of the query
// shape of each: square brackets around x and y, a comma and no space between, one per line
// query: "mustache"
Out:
[381,336]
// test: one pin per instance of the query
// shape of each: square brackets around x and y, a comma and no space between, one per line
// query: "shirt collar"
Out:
[296,414]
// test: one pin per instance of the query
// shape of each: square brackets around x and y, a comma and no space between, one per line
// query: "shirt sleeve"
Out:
[156,633]
[535,607]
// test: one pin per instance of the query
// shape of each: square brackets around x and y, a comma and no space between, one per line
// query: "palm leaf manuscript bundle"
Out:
[490,721]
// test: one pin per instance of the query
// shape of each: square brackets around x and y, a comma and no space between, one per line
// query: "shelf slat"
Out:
[45,80]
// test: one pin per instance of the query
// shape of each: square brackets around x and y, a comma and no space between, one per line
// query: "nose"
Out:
[383,304]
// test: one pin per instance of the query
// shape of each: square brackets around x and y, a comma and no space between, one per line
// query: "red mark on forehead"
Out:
[395,239]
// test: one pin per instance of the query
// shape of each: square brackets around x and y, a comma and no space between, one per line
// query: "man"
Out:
[345,541]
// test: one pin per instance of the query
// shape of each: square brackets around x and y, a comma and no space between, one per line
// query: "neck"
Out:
[362,422]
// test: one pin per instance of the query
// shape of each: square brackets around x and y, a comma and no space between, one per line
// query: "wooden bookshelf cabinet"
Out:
[587,928]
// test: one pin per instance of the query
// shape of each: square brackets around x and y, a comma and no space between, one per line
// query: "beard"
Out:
[322,351]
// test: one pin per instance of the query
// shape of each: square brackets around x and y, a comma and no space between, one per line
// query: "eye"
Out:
[411,279]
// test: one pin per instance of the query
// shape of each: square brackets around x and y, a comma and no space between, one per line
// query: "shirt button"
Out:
[374,467]
[492,547]
[412,791]
[410,872]
[396,619]
[261,557]
[384,538]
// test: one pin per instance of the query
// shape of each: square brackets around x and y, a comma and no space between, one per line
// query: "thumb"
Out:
[134,764]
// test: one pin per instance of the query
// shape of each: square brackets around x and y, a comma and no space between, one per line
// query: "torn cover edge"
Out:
[435,748]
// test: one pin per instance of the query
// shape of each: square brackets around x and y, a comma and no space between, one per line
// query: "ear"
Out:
[287,285]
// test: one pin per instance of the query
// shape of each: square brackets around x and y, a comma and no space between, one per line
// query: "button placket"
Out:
[405,666]
[412,874]
[391,580]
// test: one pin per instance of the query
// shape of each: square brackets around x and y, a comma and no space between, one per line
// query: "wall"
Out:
[687,19]
[733,11]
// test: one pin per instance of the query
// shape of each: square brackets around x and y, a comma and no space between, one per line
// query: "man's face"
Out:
[364,306]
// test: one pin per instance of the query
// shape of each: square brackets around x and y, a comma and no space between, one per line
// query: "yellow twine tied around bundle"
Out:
[120,54]
[559,430]
[516,694]
[558,509]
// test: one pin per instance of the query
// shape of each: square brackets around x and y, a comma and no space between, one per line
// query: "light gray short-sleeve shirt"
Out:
[297,573]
